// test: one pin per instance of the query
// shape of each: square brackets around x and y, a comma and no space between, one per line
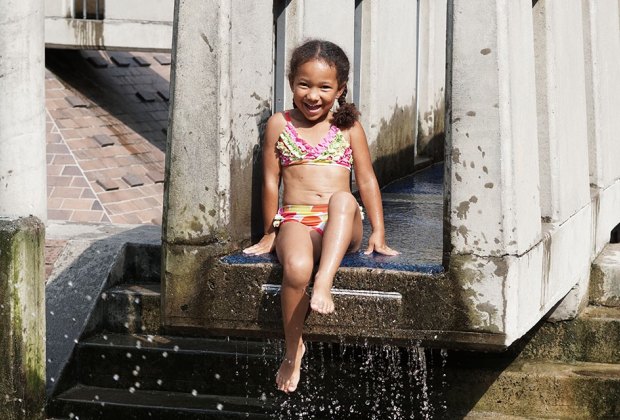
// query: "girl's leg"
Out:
[343,233]
[298,248]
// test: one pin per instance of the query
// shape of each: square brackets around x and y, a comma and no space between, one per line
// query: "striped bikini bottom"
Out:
[315,217]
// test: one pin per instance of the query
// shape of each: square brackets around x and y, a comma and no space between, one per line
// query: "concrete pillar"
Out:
[494,156]
[22,113]
[22,319]
[22,206]
[602,58]
[431,78]
[563,146]
[221,93]
[388,85]
[493,206]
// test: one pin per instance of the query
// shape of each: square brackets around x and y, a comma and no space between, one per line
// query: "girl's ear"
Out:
[342,89]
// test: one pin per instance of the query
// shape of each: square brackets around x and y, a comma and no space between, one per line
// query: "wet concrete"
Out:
[412,209]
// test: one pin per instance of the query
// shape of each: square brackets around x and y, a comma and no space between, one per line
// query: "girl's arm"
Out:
[270,186]
[369,190]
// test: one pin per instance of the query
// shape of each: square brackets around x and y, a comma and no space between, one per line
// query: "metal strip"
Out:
[357,52]
[275,289]
[280,55]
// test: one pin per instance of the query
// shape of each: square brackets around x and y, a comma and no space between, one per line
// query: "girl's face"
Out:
[315,89]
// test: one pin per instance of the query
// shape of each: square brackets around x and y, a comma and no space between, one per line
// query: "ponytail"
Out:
[347,113]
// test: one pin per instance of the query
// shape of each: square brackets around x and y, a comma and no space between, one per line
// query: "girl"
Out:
[312,149]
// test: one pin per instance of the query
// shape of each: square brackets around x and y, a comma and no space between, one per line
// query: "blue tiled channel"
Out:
[413,213]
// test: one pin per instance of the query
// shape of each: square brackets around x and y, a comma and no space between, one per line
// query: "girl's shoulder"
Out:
[277,121]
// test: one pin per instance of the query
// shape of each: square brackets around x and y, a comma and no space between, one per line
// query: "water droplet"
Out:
[194,392]
[116,377]
[89,298]
[159,382]
[132,389]
[70,283]
[137,384]
[138,345]
[165,354]
[128,355]
[220,406]
[51,312]
[217,376]
[135,373]
[175,348]
[105,337]
[97,397]
[52,379]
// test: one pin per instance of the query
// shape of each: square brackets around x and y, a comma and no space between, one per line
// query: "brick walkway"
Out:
[107,115]
[106,131]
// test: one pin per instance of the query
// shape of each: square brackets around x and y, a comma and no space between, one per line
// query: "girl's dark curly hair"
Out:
[333,55]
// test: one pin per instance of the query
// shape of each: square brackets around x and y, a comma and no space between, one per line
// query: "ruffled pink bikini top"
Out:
[333,149]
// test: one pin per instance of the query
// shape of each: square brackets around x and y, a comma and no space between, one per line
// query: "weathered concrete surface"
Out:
[22,319]
[221,84]
[387,89]
[605,277]
[372,303]
[431,78]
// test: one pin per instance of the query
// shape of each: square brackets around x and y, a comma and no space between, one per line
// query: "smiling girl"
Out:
[312,151]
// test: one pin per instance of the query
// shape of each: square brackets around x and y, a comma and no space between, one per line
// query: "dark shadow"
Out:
[115,89]
[614,238]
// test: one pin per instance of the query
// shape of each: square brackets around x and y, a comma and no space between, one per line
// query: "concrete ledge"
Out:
[379,304]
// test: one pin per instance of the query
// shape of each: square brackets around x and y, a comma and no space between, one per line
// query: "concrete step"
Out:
[605,277]
[132,308]
[180,364]
[591,337]
[534,389]
[86,402]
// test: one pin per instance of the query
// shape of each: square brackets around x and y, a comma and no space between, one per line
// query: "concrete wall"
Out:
[135,25]
[388,85]
[524,223]
[431,78]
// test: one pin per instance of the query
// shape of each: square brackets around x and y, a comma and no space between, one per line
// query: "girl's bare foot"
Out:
[321,301]
[288,375]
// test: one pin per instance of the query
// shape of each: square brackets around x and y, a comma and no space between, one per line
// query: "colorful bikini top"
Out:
[334,149]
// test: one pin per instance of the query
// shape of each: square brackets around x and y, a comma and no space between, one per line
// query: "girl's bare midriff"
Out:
[313,184]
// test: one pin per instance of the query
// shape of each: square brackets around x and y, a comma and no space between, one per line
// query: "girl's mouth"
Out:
[312,108]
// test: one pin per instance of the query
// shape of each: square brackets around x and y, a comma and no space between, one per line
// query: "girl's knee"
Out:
[297,271]
[343,201]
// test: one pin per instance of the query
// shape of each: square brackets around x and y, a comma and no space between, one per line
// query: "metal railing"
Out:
[88,9]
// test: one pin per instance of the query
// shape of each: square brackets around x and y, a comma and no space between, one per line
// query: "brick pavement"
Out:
[106,131]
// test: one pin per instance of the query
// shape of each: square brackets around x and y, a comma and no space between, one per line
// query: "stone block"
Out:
[605,277]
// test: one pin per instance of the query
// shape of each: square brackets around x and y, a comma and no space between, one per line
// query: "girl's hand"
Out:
[376,243]
[264,246]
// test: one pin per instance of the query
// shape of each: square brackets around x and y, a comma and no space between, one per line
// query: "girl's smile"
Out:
[315,89]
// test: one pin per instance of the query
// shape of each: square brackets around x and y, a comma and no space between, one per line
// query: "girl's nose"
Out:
[313,94]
